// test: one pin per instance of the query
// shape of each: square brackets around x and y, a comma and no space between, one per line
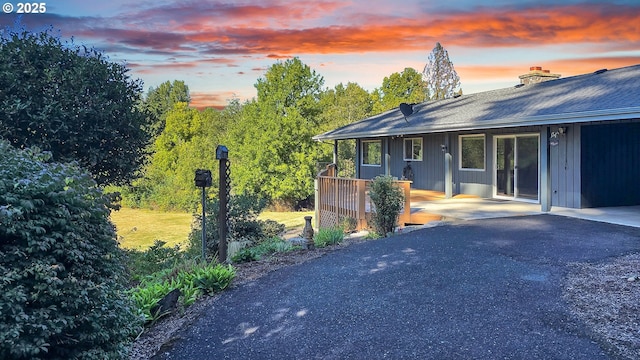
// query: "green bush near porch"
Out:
[387,200]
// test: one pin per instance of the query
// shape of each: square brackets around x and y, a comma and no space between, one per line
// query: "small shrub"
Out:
[328,236]
[268,247]
[245,255]
[146,297]
[193,280]
[243,224]
[190,293]
[155,259]
[388,200]
[271,246]
[211,279]
[349,225]
[271,228]
[372,235]
[234,246]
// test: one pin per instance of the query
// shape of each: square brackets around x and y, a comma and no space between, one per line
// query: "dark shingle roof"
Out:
[598,96]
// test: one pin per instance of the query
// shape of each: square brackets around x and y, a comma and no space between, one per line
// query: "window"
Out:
[372,153]
[472,152]
[413,149]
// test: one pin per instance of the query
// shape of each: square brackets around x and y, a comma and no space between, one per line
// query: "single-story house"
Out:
[570,142]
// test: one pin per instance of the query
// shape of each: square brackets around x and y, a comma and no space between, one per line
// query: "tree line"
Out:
[72,101]
[270,136]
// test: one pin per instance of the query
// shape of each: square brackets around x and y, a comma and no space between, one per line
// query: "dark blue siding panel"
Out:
[610,163]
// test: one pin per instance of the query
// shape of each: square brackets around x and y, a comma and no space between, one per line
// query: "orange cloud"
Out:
[564,67]
[203,100]
[482,28]
[211,28]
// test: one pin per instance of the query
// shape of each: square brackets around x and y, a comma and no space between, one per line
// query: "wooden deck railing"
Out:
[338,199]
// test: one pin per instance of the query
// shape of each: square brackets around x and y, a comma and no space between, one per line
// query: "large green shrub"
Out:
[62,293]
[71,100]
[388,200]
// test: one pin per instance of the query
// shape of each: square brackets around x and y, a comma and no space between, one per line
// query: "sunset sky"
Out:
[220,48]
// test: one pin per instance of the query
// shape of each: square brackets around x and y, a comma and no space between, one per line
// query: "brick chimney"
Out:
[537,75]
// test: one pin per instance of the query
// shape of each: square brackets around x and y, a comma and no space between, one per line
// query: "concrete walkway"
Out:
[475,209]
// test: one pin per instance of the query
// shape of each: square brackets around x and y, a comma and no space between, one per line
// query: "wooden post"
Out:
[335,152]
[405,217]
[204,225]
[361,189]
[222,212]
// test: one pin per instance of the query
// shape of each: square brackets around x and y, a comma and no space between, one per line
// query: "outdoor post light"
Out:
[203,180]
[222,154]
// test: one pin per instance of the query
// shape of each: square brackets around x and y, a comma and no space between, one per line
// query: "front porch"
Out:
[429,206]
[339,199]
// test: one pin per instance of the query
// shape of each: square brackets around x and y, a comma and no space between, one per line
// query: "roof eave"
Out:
[568,118]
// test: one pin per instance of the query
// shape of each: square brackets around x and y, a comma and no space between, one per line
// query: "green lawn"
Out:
[291,220]
[139,228]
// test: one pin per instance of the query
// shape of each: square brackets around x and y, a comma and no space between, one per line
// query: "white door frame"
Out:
[515,157]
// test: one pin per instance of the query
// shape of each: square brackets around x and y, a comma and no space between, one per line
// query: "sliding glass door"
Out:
[517,167]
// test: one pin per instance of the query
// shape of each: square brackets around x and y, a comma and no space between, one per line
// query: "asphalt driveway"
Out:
[485,289]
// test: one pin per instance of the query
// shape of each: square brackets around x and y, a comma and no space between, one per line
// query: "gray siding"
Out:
[472,182]
[369,171]
[565,168]
[428,173]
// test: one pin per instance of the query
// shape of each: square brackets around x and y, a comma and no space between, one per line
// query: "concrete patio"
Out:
[429,206]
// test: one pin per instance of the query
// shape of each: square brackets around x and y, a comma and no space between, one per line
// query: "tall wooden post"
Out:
[222,155]
[222,213]
[204,225]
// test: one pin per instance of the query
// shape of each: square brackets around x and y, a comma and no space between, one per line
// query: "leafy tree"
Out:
[440,77]
[72,101]
[187,143]
[406,86]
[341,106]
[271,147]
[159,101]
[62,282]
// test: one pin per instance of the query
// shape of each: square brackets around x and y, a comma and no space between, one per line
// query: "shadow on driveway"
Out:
[485,289]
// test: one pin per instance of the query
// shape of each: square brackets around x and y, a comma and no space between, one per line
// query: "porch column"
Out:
[545,170]
[448,169]
[387,157]
[335,152]
[358,157]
